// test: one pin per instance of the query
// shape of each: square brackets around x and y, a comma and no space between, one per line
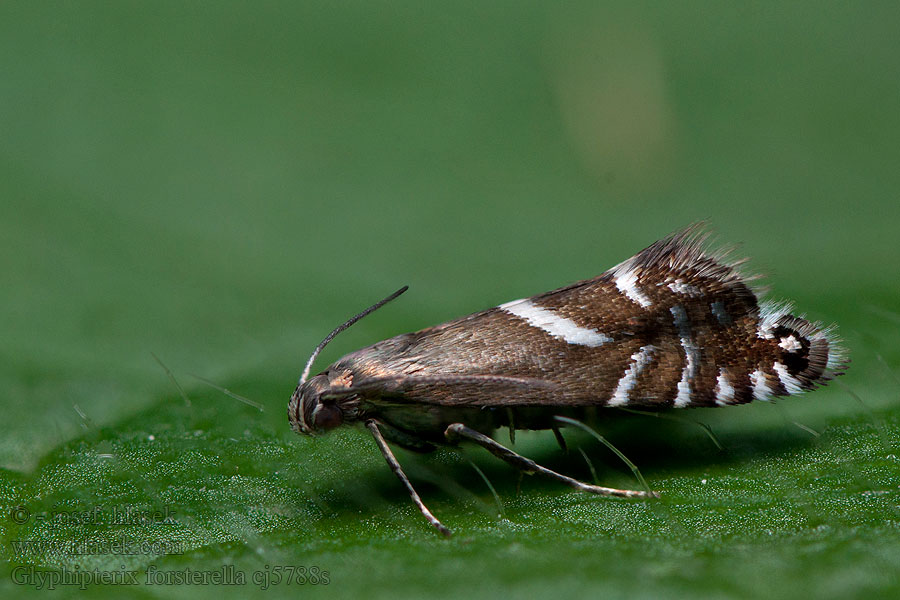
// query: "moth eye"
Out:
[327,416]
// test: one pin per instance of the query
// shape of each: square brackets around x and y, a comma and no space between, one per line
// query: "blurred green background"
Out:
[220,184]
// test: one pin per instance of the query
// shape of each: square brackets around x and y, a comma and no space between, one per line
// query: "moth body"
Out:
[674,326]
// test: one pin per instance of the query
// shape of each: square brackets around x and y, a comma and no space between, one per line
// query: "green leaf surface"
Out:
[207,190]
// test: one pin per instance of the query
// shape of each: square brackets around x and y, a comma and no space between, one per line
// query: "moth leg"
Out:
[457,430]
[398,471]
[511,417]
[560,440]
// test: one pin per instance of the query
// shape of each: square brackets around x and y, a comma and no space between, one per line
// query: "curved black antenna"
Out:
[340,328]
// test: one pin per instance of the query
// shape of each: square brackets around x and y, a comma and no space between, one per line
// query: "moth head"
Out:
[310,411]
[319,404]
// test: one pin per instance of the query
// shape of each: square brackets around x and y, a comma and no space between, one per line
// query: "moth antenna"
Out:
[341,328]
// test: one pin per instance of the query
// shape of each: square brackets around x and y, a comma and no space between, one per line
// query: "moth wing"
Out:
[673,325]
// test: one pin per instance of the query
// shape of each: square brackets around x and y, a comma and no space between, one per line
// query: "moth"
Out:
[673,326]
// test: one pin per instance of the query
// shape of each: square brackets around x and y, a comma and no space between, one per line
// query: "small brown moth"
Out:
[673,326]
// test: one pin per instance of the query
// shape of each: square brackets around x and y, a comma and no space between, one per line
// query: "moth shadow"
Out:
[662,445]
[659,447]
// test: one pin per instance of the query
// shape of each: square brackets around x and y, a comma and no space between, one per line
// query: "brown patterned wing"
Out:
[672,326]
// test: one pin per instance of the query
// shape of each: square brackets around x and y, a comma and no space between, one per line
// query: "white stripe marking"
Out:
[761,389]
[559,327]
[685,289]
[627,284]
[687,375]
[769,315]
[790,344]
[639,361]
[724,389]
[691,357]
[684,391]
[790,383]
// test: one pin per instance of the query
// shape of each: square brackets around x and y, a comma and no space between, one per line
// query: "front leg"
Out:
[372,426]
[457,430]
